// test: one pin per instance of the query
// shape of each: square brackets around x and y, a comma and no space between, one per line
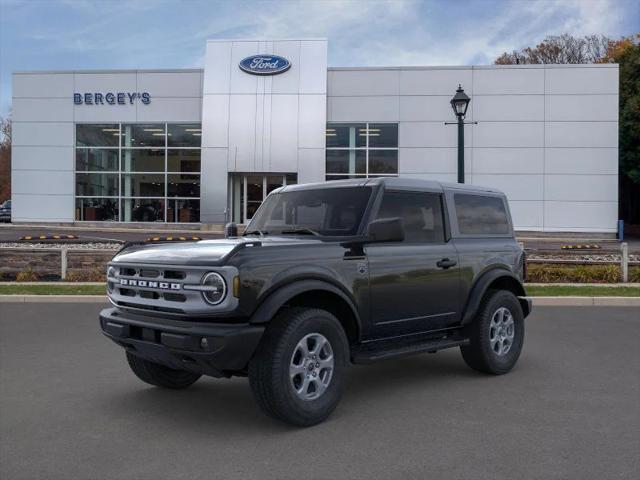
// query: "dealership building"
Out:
[207,145]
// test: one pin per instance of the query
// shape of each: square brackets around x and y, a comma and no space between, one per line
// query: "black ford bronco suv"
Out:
[324,276]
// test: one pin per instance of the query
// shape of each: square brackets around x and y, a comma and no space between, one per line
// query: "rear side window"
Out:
[420,213]
[481,215]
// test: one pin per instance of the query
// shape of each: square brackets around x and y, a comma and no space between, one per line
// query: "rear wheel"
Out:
[159,375]
[496,334]
[297,372]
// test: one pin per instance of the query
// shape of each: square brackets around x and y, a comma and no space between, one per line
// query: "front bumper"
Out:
[179,344]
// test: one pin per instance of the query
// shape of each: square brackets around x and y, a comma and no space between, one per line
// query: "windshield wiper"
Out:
[301,230]
[255,232]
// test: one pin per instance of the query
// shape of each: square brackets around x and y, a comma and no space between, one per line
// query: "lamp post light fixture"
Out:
[459,104]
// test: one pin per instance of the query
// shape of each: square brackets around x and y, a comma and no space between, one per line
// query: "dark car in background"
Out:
[5,211]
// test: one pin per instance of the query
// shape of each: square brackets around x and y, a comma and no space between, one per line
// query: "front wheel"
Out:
[496,334]
[159,375]
[297,372]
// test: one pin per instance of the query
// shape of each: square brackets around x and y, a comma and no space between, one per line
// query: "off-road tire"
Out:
[269,367]
[478,354]
[159,375]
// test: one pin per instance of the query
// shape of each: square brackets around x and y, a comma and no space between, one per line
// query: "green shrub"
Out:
[558,273]
[634,274]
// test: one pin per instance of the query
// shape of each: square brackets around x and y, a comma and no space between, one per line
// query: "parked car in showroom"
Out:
[325,275]
[5,211]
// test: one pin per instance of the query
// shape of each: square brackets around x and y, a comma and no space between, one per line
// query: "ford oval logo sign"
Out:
[265,64]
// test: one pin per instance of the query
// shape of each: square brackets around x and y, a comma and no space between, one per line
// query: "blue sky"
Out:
[104,34]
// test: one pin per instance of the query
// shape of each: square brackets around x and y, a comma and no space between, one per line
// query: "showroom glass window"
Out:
[361,150]
[138,172]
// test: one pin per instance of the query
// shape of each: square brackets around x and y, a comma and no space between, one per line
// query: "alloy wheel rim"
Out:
[311,367]
[501,331]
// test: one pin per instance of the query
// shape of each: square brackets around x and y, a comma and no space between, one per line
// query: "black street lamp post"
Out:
[460,103]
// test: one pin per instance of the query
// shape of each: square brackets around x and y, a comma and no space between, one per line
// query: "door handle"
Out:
[446,263]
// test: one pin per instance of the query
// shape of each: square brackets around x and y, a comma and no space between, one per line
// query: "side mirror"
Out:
[385,230]
[230,230]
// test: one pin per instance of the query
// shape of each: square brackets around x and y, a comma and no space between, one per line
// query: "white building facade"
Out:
[206,146]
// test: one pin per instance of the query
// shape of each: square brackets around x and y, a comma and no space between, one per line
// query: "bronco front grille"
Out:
[162,289]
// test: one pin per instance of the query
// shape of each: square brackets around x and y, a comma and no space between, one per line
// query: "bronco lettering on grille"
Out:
[146,284]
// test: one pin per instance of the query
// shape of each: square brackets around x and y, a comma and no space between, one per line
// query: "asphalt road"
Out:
[69,408]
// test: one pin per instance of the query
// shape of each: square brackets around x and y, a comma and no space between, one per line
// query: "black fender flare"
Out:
[282,294]
[481,286]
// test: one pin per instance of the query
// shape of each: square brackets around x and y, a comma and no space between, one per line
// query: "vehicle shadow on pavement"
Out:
[228,405]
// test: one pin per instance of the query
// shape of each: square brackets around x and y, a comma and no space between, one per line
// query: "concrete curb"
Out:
[537,301]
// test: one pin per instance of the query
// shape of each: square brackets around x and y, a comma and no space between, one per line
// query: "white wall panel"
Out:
[241,82]
[105,113]
[581,216]
[601,79]
[516,187]
[213,185]
[508,160]
[517,108]
[43,85]
[431,160]
[506,134]
[581,160]
[428,108]
[215,121]
[217,76]
[312,121]
[289,81]
[284,128]
[105,82]
[42,158]
[171,110]
[45,182]
[435,81]
[367,83]
[170,84]
[311,165]
[42,208]
[526,214]
[431,134]
[590,188]
[42,110]
[42,134]
[242,134]
[313,80]
[508,81]
[581,134]
[373,109]
[582,108]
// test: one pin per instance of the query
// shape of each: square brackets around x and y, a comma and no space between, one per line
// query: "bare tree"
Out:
[5,158]
[563,48]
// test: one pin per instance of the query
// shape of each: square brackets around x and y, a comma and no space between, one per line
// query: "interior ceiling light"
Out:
[153,129]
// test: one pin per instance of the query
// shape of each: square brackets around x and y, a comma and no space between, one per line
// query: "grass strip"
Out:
[586,291]
[53,289]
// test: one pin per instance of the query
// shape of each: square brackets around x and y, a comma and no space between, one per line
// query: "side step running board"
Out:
[383,349]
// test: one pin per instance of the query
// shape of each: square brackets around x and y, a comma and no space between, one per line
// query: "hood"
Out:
[204,252]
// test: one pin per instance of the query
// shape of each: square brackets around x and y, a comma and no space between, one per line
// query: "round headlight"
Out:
[216,288]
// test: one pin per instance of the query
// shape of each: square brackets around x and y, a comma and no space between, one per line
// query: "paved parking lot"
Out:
[70,408]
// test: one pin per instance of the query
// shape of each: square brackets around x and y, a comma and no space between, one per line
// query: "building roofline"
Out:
[117,70]
[227,40]
[479,67]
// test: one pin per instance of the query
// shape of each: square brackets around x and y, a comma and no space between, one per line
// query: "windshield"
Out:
[325,211]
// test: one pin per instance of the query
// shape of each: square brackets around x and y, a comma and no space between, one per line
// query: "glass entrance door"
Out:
[248,191]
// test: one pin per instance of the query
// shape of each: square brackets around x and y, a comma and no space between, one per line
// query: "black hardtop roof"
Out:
[394,182]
